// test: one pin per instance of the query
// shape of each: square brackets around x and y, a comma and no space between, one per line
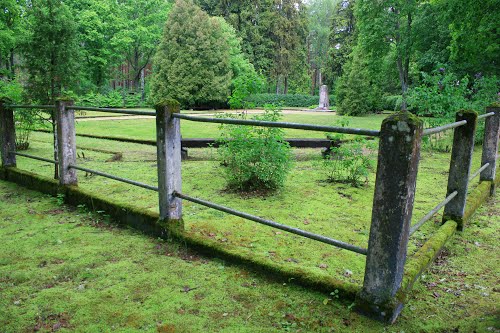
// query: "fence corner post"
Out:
[490,146]
[7,134]
[66,142]
[169,165]
[460,165]
[398,158]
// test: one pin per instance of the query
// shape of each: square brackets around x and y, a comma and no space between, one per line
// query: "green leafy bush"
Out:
[289,100]
[25,119]
[350,162]
[255,158]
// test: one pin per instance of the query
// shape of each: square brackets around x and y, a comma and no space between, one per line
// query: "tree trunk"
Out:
[143,92]
[285,90]
[12,70]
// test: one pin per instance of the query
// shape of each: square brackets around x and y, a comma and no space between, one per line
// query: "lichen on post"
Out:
[399,153]
[7,134]
[460,165]
[66,142]
[490,146]
[169,165]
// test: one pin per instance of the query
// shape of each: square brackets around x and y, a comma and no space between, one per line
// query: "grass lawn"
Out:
[307,202]
[67,270]
[145,128]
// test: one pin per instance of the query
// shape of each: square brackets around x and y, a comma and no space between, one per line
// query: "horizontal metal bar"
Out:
[486,115]
[427,217]
[475,174]
[439,129]
[273,224]
[123,180]
[306,127]
[34,157]
[49,107]
[133,112]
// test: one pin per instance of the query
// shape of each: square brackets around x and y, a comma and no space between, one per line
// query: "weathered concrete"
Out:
[66,142]
[324,99]
[168,140]
[460,165]
[490,146]
[7,134]
[399,153]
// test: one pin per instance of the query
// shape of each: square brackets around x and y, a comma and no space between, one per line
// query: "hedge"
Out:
[290,100]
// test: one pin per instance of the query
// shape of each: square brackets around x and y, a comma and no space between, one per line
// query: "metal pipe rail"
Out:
[306,127]
[443,128]
[46,107]
[34,157]
[475,174]
[273,224]
[486,115]
[123,180]
[132,112]
[427,217]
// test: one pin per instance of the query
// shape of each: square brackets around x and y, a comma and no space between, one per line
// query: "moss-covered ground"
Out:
[306,202]
[67,270]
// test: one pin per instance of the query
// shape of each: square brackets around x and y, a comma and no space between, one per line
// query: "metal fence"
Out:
[400,140]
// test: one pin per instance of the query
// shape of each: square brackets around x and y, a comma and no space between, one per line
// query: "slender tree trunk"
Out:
[285,90]
[12,69]
[143,83]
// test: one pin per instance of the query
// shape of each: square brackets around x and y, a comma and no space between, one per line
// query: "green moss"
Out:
[417,263]
[404,116]
[171,104]
[494,105]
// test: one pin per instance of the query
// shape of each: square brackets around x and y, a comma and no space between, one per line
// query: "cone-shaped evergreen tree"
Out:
[192,63]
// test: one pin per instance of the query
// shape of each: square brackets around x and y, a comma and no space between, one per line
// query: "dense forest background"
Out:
[431,57]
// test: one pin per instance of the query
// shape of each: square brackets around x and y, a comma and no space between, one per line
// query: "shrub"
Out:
[289,100]
[255,158]
[25,119]
[349,162]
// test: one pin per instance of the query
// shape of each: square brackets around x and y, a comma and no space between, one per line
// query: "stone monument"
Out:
[324,99]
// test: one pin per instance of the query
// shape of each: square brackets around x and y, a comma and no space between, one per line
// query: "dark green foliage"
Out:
[255,158]
[50,50]
[111,99]
[356,93]
[192,64]
[290,100]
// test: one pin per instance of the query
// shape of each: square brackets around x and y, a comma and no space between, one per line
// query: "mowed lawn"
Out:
[145,128]
[65,269]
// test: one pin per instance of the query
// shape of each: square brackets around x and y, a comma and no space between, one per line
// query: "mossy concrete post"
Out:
[398,157]
[490,146]
[66,142]
[7,134]
[460,165]
[168,134]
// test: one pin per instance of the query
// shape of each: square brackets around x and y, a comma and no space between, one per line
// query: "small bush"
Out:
[289,100]
[255,158]
[350,162]
[440,142]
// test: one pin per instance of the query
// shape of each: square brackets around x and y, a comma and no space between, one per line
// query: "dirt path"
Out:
[255,111]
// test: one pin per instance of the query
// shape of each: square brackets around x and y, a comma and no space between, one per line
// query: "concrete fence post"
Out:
[66,142]
[460,165]
[7,134]
[169,165]
[398,158]
[490,146]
